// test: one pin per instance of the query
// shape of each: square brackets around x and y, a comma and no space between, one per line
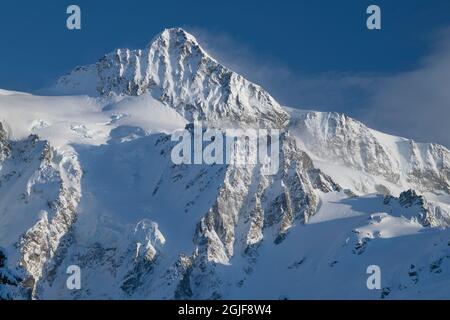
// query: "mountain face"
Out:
[403,162]
[87,180]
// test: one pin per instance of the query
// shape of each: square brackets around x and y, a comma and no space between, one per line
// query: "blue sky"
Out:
[316,54]
[307,36]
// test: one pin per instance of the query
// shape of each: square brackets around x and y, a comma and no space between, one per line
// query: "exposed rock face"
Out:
[430,166]
[10,281]
[345,141]
[251,208]
[4,146]
[427,213]
[32,171]
[148,242]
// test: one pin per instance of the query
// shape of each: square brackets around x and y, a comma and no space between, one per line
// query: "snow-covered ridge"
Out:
[335,140]
[10,93]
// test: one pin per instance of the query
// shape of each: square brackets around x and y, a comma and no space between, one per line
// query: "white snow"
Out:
[66,120]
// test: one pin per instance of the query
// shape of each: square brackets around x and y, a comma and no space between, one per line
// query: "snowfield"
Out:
[86,179]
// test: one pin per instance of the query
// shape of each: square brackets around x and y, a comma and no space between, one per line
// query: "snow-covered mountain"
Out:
[87,179]
[175,70]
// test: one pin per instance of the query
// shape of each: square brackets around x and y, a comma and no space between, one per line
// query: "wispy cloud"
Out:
[329,91]
[414,104]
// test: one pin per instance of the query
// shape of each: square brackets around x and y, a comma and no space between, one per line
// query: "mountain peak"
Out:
[176,34]
[177,38]
[174,69]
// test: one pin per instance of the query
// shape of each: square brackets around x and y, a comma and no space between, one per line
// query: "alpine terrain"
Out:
[87,180]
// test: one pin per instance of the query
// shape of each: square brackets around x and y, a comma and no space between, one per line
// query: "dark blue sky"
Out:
[308,37]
